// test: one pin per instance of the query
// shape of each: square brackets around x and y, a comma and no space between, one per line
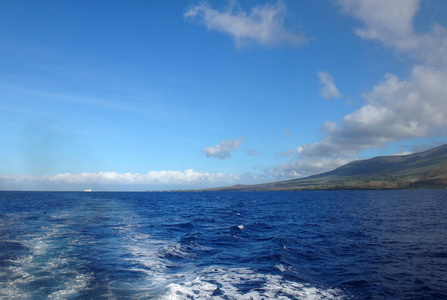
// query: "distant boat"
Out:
[87,190]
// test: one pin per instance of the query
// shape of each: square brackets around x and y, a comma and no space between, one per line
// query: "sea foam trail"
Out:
[65,253]
[46,264]
[169,271]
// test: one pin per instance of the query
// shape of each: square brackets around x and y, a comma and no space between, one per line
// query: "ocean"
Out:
[224,245]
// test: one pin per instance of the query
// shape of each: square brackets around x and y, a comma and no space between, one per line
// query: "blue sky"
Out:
[142,95]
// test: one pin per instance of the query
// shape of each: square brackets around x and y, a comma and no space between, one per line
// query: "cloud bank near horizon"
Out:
[118,181]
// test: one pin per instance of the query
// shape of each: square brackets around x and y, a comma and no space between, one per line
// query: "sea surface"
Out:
[224,245]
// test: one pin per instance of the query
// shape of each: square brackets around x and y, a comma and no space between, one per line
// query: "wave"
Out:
[171,271]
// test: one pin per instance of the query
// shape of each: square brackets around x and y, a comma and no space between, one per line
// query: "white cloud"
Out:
[384,20]
[263,25]
[395,109]
[328,90]
[118,181]
[390,22]
[223,149]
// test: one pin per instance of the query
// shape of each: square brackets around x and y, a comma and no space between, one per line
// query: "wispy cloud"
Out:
[79,99]
[264,25]
[287,132]
[117,181]
[252,152]
[328,89]
[223,149]
[304,167]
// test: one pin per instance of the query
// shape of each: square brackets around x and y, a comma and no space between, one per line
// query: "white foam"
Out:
[149,255]
[72,287]
[228,283]
[281,267]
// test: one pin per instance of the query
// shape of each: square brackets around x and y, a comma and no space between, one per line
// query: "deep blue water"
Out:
[224,245]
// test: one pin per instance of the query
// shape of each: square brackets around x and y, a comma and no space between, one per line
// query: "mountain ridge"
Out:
[426,169]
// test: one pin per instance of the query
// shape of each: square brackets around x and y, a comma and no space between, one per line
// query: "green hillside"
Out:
[427,169]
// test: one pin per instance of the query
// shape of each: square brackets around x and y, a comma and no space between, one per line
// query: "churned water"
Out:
[224,245]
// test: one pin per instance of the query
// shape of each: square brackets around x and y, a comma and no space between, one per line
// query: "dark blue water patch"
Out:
[230,245]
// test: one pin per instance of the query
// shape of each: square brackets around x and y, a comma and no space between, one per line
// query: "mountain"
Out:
[427,169]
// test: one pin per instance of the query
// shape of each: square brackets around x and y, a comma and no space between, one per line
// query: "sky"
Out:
[157,95]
